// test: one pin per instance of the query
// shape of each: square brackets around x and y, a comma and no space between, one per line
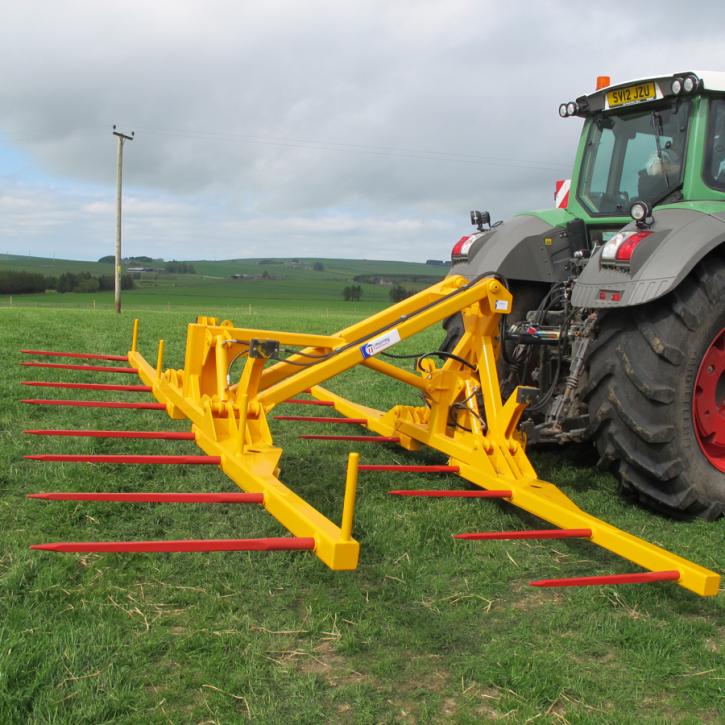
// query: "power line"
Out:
[370,149]
[392,152]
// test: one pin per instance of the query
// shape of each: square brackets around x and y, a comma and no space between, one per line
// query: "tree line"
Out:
[353,293]
[16,283]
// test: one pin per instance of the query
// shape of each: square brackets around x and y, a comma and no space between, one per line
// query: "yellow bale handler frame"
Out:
[230,417]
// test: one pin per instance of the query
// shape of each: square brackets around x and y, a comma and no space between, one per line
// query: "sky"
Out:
[364,129]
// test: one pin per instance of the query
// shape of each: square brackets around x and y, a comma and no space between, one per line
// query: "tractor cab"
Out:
[659,141]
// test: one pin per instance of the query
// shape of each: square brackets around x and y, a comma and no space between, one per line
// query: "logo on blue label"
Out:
[379,344]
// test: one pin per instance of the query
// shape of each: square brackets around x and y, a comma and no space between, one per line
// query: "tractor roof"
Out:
[644,90]
[712,80]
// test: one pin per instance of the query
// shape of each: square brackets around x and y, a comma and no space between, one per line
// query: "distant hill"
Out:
[260,280]
[51,267]
[292,266]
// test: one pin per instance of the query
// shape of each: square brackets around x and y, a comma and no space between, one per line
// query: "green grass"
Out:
[428,629]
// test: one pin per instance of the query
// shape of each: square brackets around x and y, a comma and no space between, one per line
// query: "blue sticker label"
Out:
[373,347]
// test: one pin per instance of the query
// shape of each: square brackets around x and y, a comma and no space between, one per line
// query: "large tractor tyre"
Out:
[656,395]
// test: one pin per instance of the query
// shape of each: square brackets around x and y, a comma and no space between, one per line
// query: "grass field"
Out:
[428,629]
[212,283]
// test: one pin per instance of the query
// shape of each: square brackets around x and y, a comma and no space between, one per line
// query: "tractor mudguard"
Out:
[681,237]
[527,247]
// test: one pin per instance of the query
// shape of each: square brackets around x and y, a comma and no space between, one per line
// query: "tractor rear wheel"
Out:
[656,396]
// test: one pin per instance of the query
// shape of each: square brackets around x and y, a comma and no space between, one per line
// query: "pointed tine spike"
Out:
[88,386]
[138,497]
[536,534]
[298,401]
[588,581]
[95,404]
[318,419]
[183,545]
[142,434]
[452,494]
[409,469]
[136,459]
[360,439]
[88,368]
[79,355]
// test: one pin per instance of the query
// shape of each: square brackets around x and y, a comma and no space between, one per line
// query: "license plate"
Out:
[631,94]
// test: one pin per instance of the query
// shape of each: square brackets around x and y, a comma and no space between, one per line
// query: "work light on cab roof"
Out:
[640,91]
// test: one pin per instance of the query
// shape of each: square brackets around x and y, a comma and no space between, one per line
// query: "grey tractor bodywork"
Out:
[529,249]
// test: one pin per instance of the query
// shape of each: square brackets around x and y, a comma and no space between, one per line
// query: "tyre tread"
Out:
[634,368]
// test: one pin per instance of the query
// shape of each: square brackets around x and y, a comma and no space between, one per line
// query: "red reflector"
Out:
[602,295]
[626,249]
[457,250]
[616,296]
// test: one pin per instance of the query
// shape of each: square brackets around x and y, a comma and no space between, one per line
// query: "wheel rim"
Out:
[708,402]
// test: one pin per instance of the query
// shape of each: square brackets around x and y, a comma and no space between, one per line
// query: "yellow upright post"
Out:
[134,335]
[348,505]
[160,359]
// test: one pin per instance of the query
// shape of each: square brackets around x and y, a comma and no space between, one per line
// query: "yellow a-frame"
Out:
[229,418]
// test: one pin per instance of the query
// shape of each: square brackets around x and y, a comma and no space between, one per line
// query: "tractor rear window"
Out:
[715,153]
[633,156]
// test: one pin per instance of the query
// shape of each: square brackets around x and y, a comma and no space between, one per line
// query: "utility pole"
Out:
[119,175]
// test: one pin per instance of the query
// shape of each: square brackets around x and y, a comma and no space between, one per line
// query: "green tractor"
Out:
[619,293]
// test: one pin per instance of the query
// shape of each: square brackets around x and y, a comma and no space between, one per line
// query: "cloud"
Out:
[395,116]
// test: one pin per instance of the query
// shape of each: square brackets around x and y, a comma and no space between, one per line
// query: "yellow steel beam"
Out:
[246,334]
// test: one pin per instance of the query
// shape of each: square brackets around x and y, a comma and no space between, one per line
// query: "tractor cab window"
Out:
[715,152]
[633,156]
